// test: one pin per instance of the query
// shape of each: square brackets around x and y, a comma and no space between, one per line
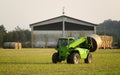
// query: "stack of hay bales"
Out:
[12,45]
[106,42]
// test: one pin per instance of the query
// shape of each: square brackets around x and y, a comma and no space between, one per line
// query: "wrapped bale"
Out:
[12,45]
[6,45]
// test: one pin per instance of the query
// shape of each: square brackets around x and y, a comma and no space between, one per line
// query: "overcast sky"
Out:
[24,12]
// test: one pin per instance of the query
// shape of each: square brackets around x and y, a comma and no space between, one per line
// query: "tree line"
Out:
[111,28]
[18,35]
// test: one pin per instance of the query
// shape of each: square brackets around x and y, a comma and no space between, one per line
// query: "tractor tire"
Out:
[55,58]
[88,60]
[75,58]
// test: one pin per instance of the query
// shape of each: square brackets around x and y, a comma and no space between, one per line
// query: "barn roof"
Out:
[60,19]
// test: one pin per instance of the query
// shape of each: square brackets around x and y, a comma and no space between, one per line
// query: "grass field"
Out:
[38,62]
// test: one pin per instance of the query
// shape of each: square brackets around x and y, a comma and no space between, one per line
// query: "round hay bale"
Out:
[6,45]
[13,45]
[94,41]
[19,45]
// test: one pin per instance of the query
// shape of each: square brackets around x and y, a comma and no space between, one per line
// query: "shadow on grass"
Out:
[26,63]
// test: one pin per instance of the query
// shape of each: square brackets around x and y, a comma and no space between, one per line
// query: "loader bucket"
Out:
[94,41]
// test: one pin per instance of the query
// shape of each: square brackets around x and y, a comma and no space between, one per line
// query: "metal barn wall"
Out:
[49,38]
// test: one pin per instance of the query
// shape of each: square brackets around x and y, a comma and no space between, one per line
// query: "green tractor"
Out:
[73,50]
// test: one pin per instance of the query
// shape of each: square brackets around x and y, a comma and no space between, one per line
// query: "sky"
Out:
[22,13]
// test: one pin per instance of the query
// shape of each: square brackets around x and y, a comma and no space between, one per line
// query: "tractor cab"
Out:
[65,41]
[63,47]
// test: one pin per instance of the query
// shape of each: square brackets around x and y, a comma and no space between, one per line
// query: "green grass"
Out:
[38,62]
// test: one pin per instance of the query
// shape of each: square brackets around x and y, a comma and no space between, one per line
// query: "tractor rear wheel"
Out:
[75,58]
[55,58]
[89,58]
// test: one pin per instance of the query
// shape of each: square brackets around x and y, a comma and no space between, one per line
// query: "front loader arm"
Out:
[77,42]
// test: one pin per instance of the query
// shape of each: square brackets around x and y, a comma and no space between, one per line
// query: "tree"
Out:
[111,28]
[23,39]
[119,42]
[2,34]
[19,35]
[2,29]
[1,39]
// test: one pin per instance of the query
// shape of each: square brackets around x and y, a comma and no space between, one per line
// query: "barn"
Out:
[46,33]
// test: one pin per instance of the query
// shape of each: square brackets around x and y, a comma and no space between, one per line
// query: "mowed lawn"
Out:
[38,62]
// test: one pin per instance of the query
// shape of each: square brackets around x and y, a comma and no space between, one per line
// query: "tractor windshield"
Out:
[63,42]
[71,40]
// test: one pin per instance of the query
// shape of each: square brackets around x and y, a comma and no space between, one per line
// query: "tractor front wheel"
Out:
[55,58]
[75,58]
[89,58]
